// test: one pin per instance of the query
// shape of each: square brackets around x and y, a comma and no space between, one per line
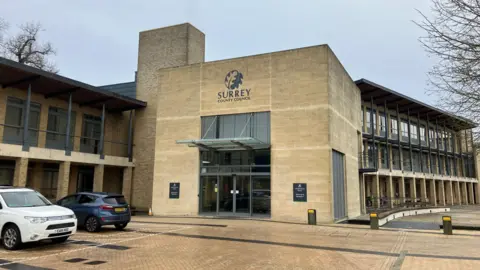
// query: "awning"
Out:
[247,143]
[381,95]
[16,75]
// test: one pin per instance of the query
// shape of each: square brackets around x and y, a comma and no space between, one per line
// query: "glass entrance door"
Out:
[209,194]
[242,194]
[226,190]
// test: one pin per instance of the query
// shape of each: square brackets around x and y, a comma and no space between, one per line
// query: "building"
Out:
[268,136]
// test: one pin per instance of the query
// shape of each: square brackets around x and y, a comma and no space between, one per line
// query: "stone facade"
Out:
[173,46]
[305,91]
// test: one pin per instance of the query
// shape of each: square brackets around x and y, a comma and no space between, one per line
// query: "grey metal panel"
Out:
[128,89]
[339,207]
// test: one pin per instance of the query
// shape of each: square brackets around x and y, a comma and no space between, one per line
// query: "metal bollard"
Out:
[447,225]
[312,217]
[374,221]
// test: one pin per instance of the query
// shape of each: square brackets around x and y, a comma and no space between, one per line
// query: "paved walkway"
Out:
[192,243]
[467,215]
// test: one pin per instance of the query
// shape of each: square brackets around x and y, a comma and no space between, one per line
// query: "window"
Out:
[24,199]
[433,138]
[383,125]
[425,162]
[115,200]
[404,127]
[70,200]
[416,161]
[406,160]
[49,183]
[256,125]
[414,133]
[84,199]
[383,156]
[440,139]
[57,128]
[7,169]
[396,159]
[393,128]
[91,132]
[14,117]
[423,139]
[441,165]
[434,161]
[369,122]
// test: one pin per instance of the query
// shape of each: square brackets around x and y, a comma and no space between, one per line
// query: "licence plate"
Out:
[61,230]
[120,210]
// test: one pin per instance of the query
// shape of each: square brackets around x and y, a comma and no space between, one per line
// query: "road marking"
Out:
[399,261]
[90,247]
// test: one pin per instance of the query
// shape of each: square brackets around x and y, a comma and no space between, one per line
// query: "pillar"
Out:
[464,193]
[98,178]
[441,193]
[471,194]
[433,193]
[390,191]
[127,183]
[20,174]
[63,179]
[449,195]
[476,188]
[376,191]
[37,176]
[458,193]
[402,188]
[423,189]
[413,190]
[42,125]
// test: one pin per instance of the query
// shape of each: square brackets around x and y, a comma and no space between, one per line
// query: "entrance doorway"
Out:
[239,195]
[85,179]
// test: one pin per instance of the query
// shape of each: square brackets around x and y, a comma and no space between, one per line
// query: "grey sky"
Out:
[97,41]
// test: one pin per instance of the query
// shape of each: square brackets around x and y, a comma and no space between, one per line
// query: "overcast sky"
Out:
[97,41]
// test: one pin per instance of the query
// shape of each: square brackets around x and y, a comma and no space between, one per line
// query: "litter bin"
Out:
[447,225]
[312,217]
[374,221]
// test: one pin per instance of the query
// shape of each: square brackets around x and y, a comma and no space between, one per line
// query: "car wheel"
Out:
[11,238]
[59,240]
[120,226]
[92,224]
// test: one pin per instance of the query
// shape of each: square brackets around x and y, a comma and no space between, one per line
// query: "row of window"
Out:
[418,133]
[56,127]
[420,162]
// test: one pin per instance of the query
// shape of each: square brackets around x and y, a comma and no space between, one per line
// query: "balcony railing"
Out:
[384,203]
[56,140]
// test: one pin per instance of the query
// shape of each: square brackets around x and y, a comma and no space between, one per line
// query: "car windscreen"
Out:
[115,200]
[24,199]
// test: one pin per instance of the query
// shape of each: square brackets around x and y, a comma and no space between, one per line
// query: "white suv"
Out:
[27,216]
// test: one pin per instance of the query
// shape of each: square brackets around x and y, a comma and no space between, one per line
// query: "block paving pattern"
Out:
[195,243]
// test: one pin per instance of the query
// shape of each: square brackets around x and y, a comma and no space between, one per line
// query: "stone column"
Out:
[363,194]
[441,193]
[433,193]
[390,191]
[42,125]
[464,193]
[20,174]
[476,187]
[470,193]
[423,189]
[37,176]
[413,190]
[449,195]
[127,183]
[376,191]
[63,179]
[458,193]
[98,178]
[401,183]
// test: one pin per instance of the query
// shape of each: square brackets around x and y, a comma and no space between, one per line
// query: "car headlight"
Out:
[37,220]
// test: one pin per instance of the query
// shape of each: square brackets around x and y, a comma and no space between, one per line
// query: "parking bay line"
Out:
[90,247]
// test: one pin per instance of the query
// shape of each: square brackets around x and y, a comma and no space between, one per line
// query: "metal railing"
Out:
[367,161]
[50,139]
[383,203]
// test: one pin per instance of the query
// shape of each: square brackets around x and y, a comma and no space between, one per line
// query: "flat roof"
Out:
[49,84]
[382,94]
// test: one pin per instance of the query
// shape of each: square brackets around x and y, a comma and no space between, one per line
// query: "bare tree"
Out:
[453,37]
[3,27]
[26,48]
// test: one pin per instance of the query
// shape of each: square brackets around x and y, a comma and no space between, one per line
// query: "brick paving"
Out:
[193,243]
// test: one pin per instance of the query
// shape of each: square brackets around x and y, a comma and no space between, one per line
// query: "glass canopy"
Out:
[225,144]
